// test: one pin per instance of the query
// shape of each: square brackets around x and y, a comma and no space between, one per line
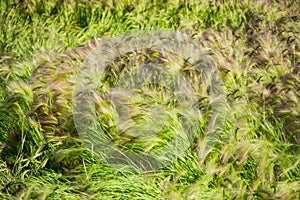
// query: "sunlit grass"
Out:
[255,47]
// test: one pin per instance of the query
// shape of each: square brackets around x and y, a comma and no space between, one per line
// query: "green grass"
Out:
[255,47]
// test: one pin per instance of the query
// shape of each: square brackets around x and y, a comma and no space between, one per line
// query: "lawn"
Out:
[246,147]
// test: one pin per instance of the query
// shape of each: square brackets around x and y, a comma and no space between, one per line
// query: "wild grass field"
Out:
[254,45]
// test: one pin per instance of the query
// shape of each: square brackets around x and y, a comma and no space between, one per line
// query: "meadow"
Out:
[255,47]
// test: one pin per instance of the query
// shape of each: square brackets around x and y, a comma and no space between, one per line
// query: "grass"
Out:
[255,48]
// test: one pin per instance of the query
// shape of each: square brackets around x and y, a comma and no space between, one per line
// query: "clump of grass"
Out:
[138,109]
